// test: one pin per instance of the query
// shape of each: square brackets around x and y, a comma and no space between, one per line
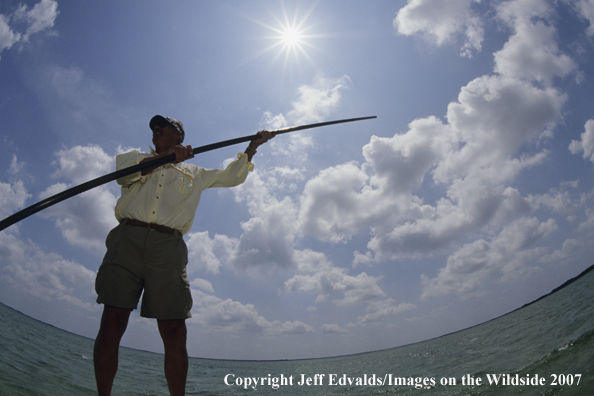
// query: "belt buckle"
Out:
[150,228]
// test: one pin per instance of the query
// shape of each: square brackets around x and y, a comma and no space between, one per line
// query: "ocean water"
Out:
[545,348]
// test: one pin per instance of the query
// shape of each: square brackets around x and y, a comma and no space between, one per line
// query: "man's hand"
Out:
[254,144]
[266,136]
[182,153]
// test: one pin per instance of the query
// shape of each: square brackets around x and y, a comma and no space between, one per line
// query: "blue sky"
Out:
[469,196]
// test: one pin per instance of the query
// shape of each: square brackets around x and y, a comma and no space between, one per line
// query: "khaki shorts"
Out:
[140,259]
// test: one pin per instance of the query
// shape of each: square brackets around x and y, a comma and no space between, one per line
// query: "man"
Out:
[146,251]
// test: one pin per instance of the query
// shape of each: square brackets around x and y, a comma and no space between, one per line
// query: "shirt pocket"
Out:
[181,182]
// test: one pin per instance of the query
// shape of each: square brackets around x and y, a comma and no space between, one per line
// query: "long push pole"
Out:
[54,199]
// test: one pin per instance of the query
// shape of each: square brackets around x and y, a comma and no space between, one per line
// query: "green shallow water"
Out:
[552,338]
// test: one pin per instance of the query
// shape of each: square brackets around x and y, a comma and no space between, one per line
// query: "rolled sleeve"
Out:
[127,160]
[233,175]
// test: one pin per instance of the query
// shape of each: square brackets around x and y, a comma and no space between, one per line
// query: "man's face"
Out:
[165,137]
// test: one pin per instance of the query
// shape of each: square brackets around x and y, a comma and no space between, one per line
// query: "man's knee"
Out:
[115,319]
[173,332]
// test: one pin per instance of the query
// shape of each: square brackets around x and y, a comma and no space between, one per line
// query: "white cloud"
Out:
[472,158]
[518,11]
[509,254]
[16,166]
[588,223]
[7,37]
[41,17]
[470,162]
[532,52]
[586,144]
[12,197]
[83,163]
[314,104]
[203,285]
[206,254]
[493,118]
[274,121]
[585,8]
[335,204]
[491,131]
[86,218]
[467,164]
[48,276]
[218,315]
[400,163]
[495,130]
[381,310]
[332,328]
[441,21]
[334,282]
[268,236]
[318,100]
[558,200]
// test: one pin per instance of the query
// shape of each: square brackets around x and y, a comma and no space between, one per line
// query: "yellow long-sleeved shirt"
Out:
[169,195]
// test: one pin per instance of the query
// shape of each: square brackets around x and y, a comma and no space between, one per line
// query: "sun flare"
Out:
[292,40]
[291,37]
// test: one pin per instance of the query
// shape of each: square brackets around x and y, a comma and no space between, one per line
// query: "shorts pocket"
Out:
[112,242]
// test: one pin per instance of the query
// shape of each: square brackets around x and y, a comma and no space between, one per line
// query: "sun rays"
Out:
[290,39]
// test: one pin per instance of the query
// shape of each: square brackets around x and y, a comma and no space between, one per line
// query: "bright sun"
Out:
[291,39]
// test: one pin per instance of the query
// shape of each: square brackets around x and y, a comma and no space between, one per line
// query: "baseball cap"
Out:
[161,121]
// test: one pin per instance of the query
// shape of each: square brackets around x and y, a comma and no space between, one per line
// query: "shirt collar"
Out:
[179,167]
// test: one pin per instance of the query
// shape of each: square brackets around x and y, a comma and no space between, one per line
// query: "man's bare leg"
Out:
[174,335]
[105,356]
